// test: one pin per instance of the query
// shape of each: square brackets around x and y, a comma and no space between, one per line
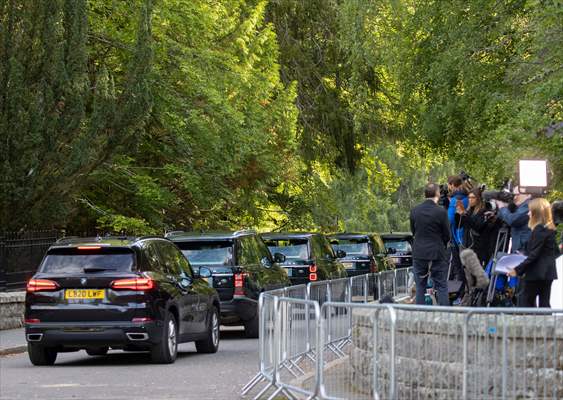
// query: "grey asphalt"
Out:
[121,375]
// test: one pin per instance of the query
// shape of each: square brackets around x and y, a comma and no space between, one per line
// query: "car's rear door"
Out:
[83,277]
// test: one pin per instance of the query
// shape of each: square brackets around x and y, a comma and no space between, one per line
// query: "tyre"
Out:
[97,351]
[166,351]
[211,343]
[251,327]
[40,355]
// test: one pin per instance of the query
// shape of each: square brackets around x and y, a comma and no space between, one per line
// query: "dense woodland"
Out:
[146,115]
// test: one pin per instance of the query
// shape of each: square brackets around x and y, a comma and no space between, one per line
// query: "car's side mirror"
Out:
[266,263]
[279,257]
[340,254]
[204,272]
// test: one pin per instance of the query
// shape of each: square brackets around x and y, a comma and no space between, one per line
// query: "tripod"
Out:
[502,247]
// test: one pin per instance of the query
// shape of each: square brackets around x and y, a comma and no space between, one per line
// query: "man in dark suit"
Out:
[431,230]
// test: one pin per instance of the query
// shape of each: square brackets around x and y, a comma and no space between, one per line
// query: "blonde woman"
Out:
[538,269]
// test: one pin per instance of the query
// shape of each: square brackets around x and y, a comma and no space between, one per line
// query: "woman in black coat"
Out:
[538,271]
[479,232]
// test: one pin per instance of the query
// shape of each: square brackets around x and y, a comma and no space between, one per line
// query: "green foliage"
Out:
[278,114]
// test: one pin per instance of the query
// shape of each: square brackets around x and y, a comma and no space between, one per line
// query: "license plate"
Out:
[289,271]
[84,294]
[348,265]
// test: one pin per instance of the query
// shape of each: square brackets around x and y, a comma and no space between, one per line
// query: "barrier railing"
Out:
[350,348]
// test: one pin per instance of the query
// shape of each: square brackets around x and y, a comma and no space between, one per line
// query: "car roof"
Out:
[104,241]
[180,236]
[287,235]
[396,235]
[351,235]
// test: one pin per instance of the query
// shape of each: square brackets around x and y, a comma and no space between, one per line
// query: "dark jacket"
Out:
[431,230]
[479,233]
[456,229]
[542,252]
[518,222]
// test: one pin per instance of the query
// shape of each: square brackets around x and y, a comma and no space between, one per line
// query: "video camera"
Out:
[504,194]
[466,183]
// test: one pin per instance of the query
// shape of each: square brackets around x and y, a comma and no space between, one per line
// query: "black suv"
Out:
[124,293]
[399,248]
[365,252]
[308,256]
[241,266]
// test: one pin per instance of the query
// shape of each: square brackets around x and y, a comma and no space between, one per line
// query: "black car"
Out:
[399,248]
[308,256]
[242,268]
[124,293]
[365,252]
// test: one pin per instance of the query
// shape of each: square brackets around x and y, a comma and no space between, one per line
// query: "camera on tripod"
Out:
[504,194]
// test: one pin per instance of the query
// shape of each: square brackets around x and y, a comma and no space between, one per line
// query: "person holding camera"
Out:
[538,269]
[458,199]
[515,215]
[479,229]
[431,230]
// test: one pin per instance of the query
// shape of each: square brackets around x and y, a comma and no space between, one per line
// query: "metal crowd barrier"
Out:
[330,340]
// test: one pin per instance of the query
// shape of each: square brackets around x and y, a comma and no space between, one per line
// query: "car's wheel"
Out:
[166,351]
[251,327]
[40,355]
[211,343]
[97,351]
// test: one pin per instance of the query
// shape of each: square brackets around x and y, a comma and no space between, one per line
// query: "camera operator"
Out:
[479,230]
[515,215]
[458,196]
[430,227]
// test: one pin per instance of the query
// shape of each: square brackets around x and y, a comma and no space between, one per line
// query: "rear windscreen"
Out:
[208,253]
[69,261]
[356,247]
[402,246]
[295,249]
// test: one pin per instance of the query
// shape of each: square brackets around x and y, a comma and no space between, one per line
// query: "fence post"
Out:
[465,354]
[366,287]
[392,383]
[504,355]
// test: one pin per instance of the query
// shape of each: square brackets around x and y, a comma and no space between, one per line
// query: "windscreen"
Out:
[352,247]
[208,253]
[401,246]
[72,261]
[292,249]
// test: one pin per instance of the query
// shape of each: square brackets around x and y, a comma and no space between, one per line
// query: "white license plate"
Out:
[348,265]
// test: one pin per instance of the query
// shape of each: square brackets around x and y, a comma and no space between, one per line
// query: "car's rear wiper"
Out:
[98,269]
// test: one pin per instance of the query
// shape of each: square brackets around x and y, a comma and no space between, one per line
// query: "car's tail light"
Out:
[41,285]
[373,266]
[239,284]
[313,277]
[142,320]
[32,320]
[89,247]
[312,268]
[133,284]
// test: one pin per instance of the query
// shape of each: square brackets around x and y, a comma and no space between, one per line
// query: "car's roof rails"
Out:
[245,231]
[172,233]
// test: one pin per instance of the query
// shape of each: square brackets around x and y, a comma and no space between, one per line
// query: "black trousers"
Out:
[532,289]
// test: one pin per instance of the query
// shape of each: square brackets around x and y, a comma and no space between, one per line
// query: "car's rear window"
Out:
[402,246]
[71,261]
[352,247]
[208,252]
[295,249]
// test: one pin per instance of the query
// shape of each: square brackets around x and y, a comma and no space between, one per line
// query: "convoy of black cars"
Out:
[152,293]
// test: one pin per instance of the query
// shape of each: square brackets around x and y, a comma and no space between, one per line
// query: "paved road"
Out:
[121,375]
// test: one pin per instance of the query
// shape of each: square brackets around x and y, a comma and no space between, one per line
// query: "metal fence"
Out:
[319,348]
[20,255]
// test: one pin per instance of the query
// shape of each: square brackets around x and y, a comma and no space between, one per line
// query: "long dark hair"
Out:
[477,192]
